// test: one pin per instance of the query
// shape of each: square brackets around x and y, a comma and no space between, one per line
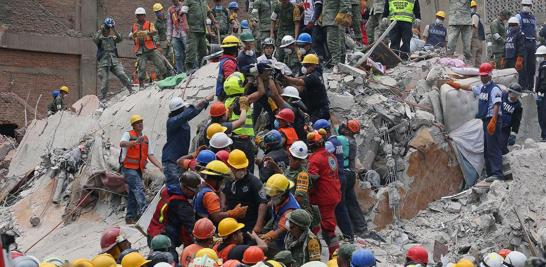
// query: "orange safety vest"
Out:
[137,156]
[224,252]
[148,41]
[290,135]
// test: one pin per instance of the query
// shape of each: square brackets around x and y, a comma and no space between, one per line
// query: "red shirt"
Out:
[328,188]
[229,67]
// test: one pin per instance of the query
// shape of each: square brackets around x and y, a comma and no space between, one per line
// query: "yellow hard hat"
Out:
[332,263]
[135,118]
[104,260]
[47,264]
[234,84]
[275,263]
[310,59]
[134,259]
[277,184]
[464,263]
[157,7]
[210,253]
[215,128]
[473,4]
[65,89]
[82,263]
[230,41]
[216,168]
[228,226]
[237,159]
[441,14]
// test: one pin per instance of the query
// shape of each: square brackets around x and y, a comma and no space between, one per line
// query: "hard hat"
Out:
[231,263]
[274,263]
[287,115]
[47,264]
[541,50]
[504,252]
[216,168]
[464,263]
[104,260]
[441,14]
[418,254]
[301,218]
[230,41]
[124,253]
[363,258]
[513,20]
[56,261]
[203,262]
[291,91]
[228,226]
[314,264]
[160,242]
[55,93]
[26,261]
[160,256]
[140,11]
[527,2]
[163,264]
[220,141]
[234,84]
[515,259]
[191,180]
[268,41]
[134,259]
[210,253]
[304,38]
[205,156]
[176,103]
[253,255]
[217,109]
[286,41]
[233,5]
[82,263]
[247,37]
[492,260]
[244,25]
[222,155]
[273,138]
[486,69]
[135,118]
[111,237]
[13,254]
[332,262]
[516,89]
[310,59]
[237,159]
[321,124]
[299,150]
[215,128]
[277,184]
[354,126]
[65,89]
[314,137]
[473,4]
[203,229]
[109,22]
[285,256]
[157,7]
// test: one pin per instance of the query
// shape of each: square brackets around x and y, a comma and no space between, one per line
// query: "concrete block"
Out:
[342,101]
[356,72]
[454,207]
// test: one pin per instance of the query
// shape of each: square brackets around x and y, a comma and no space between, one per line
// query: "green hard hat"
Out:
[247,37]
[346,251]
[285,257]
[301,218]
[160,242]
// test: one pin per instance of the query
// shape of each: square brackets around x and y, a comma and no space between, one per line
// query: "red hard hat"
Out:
[15,253]
[217,109]
[110,238]
[203,229]
[354,126]
[418,254]
[253,255]
[486,69]
[504,252]
[231,263]
[222,155]
[286,114]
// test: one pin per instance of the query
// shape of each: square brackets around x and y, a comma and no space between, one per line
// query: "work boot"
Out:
[130,220]
[491,179]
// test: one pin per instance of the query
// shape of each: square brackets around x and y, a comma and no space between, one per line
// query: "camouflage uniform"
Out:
[287,17]
[335,35]
[357,19]
[460,23]
[306,247]
[376,7]
[197,39]
[144,54]
[300,177]
[498,37]
[261,12]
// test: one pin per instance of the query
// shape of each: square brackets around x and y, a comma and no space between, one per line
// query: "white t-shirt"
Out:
[125,138]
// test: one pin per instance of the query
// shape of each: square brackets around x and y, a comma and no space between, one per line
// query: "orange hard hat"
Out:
[231,263]
[110,238]
[286,114]
[504,252]
[314,136]
[217,109]
[486,69]
[418,254]
[203,229]
[354,126]
[253,255]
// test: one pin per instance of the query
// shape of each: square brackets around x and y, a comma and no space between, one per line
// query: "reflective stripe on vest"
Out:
[401,10]
[247,128]
[148,41]
[137,156]
[165,207]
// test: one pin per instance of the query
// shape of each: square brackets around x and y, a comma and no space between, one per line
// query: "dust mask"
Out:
[302,51]
[249,53]
[287,51]
[526,9]
[540,59]
[439,21]
[303,70]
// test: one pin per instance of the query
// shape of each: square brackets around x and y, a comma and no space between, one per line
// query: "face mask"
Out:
[287,51]
[249,53]
[302,51]
[540,59]
[303,70]
[276,124]
[526,9]
[240,174]
[439,21]
[287,225]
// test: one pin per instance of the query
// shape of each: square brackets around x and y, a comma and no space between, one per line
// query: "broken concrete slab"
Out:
[344,101]
[86,105]
[356,72]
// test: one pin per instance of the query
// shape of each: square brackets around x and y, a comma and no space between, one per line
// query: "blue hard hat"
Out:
[109,22]
[233,5]
[55,93]
[205,156]
[363,258]
[321,124]
[304,38]
[244,24]
[273,138]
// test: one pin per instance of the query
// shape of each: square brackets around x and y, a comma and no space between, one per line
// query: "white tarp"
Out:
[469,141]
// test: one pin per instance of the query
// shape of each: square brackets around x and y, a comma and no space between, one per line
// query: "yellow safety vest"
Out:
[401,10]
[247,128]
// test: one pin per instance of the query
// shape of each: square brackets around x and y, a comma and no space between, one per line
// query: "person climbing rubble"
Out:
[436,33]
[528,25]
[57,104]
[404,12]
[513,49]
[511,115]
[498,36]
[460,24]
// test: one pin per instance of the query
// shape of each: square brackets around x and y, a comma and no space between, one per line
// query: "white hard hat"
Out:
[541,51]
[314,264]
[162,264]
[176,103]
[298,150]
[220,140]
[287,40]
[291,91]
[513,20]
[140,11]
[515,259]
[527,2]
[492,260]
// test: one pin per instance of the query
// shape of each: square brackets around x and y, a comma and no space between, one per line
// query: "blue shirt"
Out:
[178,134]
[496,97]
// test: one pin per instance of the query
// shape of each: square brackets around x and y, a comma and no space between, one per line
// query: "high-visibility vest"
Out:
[137,156]
[401,10]
[290,135]
[148,41]
[246,129]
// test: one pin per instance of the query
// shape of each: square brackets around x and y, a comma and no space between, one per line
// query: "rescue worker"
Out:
[460,24]
[233,238]
[113,241]
[134,259]
[245,190]
[205,253]
[489,111]
[511,115]
[136,150]
[417,255]
[514,47]
[161,26]
[274,153]
[245,27]
[478,35]
[247,56]
[219,142]
[300,241]
[436,33]
[285,257]
[196,163]
[233,18]
[375,12]
[357,21]
[203,233]
[498,37]
[159,249]
[268,48]
[540,89]
[143,32]
[515,259]
[101,260]
[58,101]
[284,120]
[221,14]
[177,33]
[492,259]
[178,138]
[218,117]
[197,13]
[157,225]
[261,14]
[305,45]
[206,203]
[228,64]
[404,12]
[290,98]
[285,20]
[290,56]
[326,192]
[106,40]
[527,23]
[336,16]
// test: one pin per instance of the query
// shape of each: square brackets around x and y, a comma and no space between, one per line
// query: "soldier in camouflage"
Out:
[261,14]
[498,37]
[335,35]
[357,19]
[220,12]
[460,24]
[197,13]
[300,241]
[285,21]
[376,9]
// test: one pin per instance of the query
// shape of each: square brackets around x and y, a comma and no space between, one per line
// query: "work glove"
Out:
[243,103]
[269,236]
[491,126]
[344,19]
[238,212]
[454,84]
[512,139]
[519,63]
